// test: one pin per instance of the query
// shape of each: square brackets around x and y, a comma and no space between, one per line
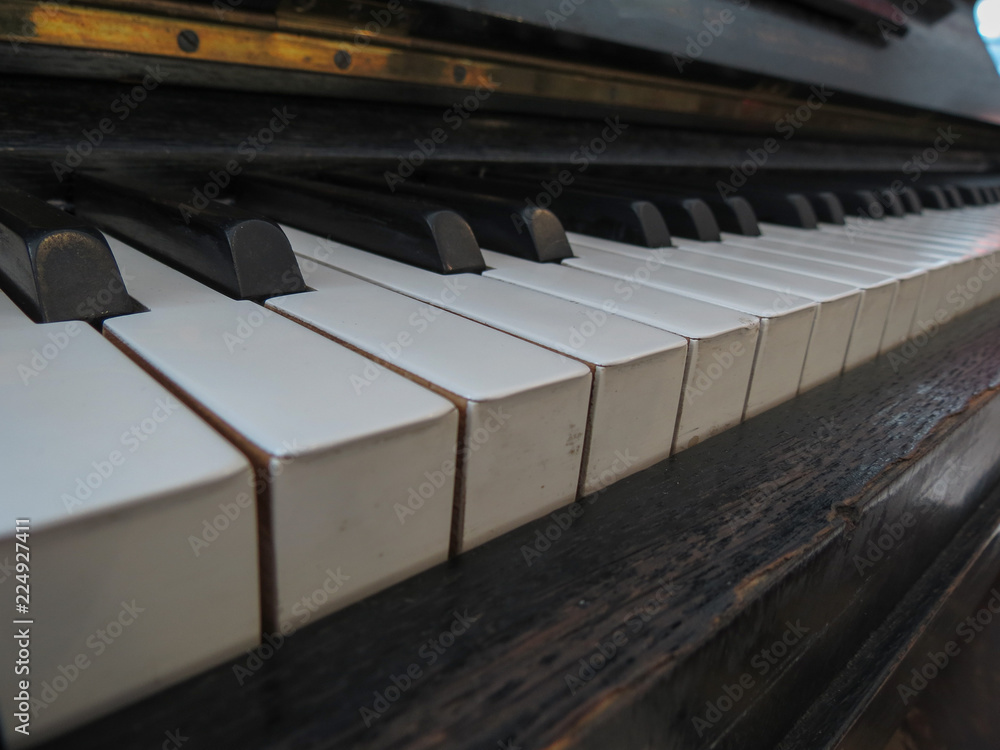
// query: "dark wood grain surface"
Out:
[694,569]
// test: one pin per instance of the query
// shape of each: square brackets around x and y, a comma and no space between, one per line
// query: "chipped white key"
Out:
[337,463]
[119,483]
[524,408]
[638,370]
[786,320]
[720,352]
[835,316]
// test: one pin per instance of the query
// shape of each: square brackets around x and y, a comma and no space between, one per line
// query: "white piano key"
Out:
[921,280]
[117,478]
[873,310]
[835,316]
[11,316]
[638,370]
[524,407]
[968,259]
[338,462]
[786,320]
[720,352]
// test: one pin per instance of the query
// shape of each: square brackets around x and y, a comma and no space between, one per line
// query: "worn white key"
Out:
[835,316]
[116,478]
[524,407]
[720,352]
[638,370]
[873,310]
[786,320]
[337,463]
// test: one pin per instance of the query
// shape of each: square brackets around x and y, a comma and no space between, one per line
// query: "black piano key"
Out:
[404,228]
[911,200]
[55,266]
[685,216]
[971,195]
[734,214]
[990,194]
[861,202]
[778,207]
[933,196]
[500,224]
[953,195]
[239,253]
[612,217]
[890,201]
[691,218]
[828,207]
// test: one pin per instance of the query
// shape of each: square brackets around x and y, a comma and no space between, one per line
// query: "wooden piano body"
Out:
[774,586]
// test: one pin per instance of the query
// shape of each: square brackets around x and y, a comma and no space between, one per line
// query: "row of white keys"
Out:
[913,235]
[334,462]
[116,478]
[722,341]
[524,408]
[879,289]
[972,234]
[638,370]
[921,280]
[939,265]
[836,314]
[786,320]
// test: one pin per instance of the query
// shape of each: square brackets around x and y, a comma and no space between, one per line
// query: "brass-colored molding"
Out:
[330,48]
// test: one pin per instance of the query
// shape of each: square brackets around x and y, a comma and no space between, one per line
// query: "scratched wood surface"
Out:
[676,587]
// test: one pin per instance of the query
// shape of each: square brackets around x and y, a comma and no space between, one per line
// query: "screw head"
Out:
[342,59]
[459,74]
[188,41]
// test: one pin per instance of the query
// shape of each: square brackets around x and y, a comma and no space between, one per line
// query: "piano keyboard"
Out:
[278,405]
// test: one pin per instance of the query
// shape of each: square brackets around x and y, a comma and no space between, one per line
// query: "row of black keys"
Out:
[57,266]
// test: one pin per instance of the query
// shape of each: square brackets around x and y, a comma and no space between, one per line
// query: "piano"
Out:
[467,374]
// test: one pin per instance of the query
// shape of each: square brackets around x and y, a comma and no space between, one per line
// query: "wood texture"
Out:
[725,547]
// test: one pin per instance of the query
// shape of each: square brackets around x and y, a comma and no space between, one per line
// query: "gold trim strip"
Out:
[122,31]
